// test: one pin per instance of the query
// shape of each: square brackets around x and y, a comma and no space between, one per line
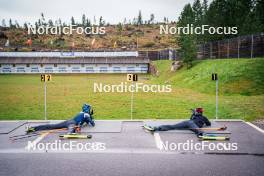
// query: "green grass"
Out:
[236,76]
[241,96]
[241,85]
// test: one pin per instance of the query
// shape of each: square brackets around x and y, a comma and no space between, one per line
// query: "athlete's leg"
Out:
[177,126]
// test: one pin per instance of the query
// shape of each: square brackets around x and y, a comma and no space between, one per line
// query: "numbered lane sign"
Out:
[132,77]
[214,76]
[45,78]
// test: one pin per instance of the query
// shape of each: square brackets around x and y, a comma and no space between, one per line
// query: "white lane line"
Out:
[107,151]
[228,120]
[158,141]
[30,145]
[254,126]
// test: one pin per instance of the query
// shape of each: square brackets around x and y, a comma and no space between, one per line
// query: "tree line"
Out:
[85,21]
[246,15]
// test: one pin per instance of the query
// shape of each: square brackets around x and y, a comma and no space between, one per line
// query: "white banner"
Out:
[69,54]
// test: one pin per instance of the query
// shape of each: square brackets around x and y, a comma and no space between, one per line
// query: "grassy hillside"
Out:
[236,76]
[240,85]
[127,36]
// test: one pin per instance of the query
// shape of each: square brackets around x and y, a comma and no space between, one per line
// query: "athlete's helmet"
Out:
[199,110]
[86,108]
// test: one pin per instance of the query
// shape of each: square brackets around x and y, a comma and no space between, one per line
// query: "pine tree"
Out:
[84,20]
[139,19]
[187,16]
[134,21]
[259,14]
[198,16]
[187,42]
[125,21]
[72,21]
[205,6]
[217,15]
[254,23]
[50,22]
[42,20]
[203,38]
[10,23]
[25,26]
[59,22]
[101,21]
[88,23]
[246,15]
[36,25]
[164,20]
[237,13]
[152,17]
[17,24]
[198,12]
[3,23]
[188,50]
[39,22]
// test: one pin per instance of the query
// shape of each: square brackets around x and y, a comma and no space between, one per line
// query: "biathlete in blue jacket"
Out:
[85,116]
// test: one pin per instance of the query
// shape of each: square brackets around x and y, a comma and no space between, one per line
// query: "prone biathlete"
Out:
[85,116]
[196,122]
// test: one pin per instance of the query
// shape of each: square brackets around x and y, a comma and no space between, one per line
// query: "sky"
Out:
[112,11]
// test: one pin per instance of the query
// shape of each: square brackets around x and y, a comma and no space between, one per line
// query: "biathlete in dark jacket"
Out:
[85,116]
[196,122]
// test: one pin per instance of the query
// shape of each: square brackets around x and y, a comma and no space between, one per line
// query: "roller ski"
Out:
[30,130]
[75,136]
[209,137]
[212,128]
[148,128]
